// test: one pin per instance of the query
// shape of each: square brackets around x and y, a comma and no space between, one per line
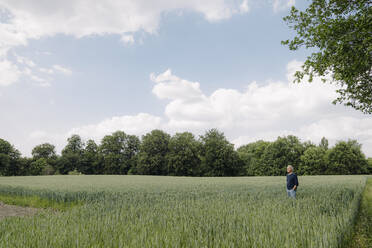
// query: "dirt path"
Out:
[363,229]
[10,210]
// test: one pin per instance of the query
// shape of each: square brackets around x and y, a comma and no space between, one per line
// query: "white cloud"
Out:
[333,128]
[172,87]
[46,70]
[138,124]
[280,5]
[42,82]
[36,19]
[9,72]
[38,134]
[10,36]
[255,107]
[38,137]
[26,61]
[261,111]
[62,69]
[56,69]
[127,39]
[86,17]
[244,7]
[340,127]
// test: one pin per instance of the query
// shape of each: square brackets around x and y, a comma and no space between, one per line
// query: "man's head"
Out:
[289,168]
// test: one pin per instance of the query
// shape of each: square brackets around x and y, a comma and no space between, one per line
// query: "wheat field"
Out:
[154,211]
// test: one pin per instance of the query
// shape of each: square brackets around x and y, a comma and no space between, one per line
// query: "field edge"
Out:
[37,202]
[362,236]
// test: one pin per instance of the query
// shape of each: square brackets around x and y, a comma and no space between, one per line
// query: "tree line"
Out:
[183,154]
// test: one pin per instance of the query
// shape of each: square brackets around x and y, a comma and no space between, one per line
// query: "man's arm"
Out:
[296,183]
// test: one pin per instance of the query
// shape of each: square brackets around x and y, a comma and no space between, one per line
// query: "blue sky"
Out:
[93,67]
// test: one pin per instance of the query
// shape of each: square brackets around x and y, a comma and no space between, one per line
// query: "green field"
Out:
[150,211]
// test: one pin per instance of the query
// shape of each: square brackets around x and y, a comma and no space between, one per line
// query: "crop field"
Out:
[150,211]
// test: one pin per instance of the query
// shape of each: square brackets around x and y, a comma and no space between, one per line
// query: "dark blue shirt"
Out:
[291,181]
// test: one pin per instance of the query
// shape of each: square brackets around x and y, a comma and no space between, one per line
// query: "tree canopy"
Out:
[340,31]
[118,151]
[153,152]
[346,158]
[71,155]
[183,154]
[218,157]
[8,159]
[45,150]
[252,156]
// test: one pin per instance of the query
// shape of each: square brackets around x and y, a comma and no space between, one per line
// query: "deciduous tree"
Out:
[45,150]
[313,161]
[92,161]
[119,152]
[71,158]
[282,152]
[9,157]
[340,33]
[346,158]
[183,156]
[152,156]
[218,156]
[251,155]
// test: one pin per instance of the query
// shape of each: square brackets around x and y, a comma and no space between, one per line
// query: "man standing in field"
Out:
[292,182]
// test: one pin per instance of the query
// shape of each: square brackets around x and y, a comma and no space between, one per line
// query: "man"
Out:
[292,182]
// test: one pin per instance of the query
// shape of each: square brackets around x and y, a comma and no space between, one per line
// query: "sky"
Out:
[92,67]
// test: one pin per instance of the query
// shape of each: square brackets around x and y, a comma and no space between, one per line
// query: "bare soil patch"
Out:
[11,210]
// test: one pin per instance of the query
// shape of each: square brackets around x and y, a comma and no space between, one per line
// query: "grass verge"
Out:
[37,202]
[362,237]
